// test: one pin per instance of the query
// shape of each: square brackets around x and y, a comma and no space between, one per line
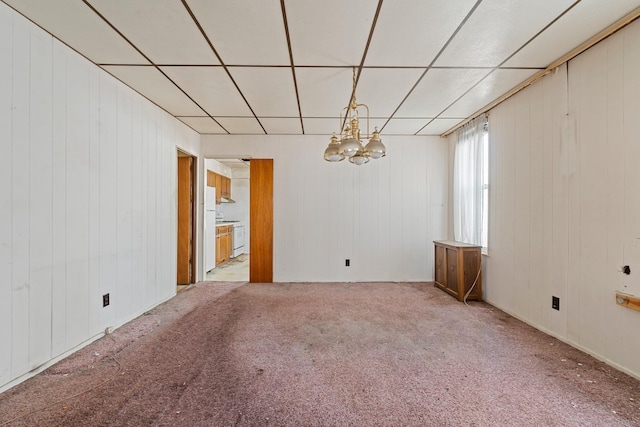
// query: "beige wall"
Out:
[556,232]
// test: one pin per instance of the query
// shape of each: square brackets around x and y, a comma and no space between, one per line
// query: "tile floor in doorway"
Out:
[233,270]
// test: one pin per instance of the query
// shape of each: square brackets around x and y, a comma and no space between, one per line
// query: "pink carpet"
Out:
[382,354]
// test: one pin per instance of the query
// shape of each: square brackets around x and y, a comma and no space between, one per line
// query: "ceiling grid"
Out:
[285,66]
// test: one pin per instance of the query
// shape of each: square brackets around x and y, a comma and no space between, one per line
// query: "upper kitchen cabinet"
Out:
[222,185]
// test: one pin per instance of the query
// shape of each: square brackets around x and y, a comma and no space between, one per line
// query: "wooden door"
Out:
[185,221]
[261,221]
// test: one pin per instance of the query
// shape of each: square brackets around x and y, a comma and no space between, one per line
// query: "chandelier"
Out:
[349,144]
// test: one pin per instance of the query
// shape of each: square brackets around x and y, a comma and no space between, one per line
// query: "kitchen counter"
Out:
[224,223]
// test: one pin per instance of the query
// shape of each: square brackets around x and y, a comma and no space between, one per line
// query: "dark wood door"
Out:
[185,224]
[261,221]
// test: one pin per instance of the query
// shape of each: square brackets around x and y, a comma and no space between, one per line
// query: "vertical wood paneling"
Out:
[588,217]
[123,202]
[108,199]
[77,202]
[75,199]
[6,172]
[138,297]
[631,206]
[536,203]
[40,203]
[20,195]
[612,281]
[59,201]
[95,296]
[521,141]
[152,206]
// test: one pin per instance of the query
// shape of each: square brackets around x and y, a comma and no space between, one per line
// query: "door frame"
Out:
[194,212]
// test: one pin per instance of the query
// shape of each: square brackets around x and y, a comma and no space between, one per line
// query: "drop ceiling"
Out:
[286,67]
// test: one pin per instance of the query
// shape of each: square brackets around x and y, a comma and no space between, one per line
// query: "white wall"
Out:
[87,199]
[383,216]
[554,233]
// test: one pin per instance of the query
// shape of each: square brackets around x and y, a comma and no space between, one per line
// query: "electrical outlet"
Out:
[347,262]
[555,303]
[105,300]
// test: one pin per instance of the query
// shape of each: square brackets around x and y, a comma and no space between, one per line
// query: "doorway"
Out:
[252,209]
[186,269]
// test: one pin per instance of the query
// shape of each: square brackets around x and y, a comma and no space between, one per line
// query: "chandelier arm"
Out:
[367,108]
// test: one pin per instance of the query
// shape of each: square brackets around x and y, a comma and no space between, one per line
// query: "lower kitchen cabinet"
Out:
[224,243]
[457,268]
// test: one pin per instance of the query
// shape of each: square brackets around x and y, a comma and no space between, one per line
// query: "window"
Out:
[485,188]
[471,183]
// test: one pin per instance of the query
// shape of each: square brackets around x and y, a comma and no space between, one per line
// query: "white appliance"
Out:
[209,228]
[238,240]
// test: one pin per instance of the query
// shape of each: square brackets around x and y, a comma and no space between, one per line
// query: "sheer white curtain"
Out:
[468,173]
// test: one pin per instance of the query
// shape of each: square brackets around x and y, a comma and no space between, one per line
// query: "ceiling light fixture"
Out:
[350,145]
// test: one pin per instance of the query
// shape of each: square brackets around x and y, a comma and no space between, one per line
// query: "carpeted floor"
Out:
[382,354]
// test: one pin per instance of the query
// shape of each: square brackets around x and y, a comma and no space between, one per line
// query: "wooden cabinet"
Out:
[457,267]
[224,243]
[221,183]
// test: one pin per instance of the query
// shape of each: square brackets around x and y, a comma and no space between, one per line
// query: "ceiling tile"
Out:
[428,99]
[244,32]
[382,89]
[241,125]
[78,26]
[321,126]
[281,125]
[578,25]
[270,91]
[403,126]
[488,90]
[162,29]
[324,91]
[152,84]
[203,125]
[210,87]
[497,29]
[439,126]
[319,37]
[420,27]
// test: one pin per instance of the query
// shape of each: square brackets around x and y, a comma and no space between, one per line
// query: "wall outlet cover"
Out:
[555,303]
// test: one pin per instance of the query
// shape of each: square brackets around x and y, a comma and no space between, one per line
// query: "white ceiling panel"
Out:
[210,87]
[497,29]
[203,125]
[428,99]
[241,125]
[275,98]
[491,88]
[329,32]
[75,24]
[382,89]
[578,25]
[439,126]
[244,32]
[161,29]
[403,126]
[328,40]
[410,32]
[281,125]
[324,91]
[321,126]
[152,84]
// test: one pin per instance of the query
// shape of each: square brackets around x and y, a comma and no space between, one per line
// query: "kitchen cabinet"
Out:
[226,187]
[457,268]
[224,243]
[221,183]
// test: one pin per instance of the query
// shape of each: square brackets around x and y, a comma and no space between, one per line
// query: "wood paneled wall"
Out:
[562,221]
[383,216]
[87,199]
